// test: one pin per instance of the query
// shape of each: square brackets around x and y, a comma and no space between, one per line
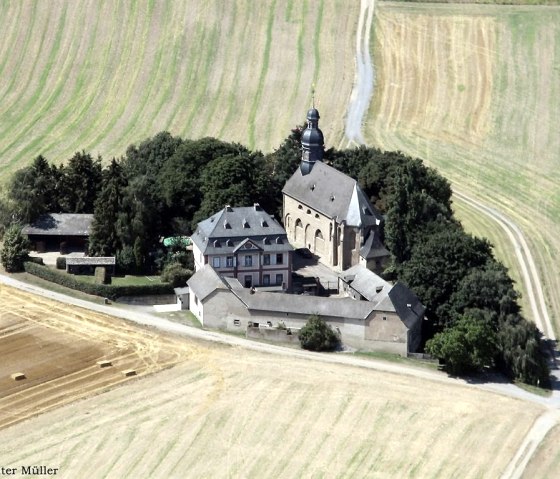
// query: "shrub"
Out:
[103,290]
[36,260]
[175,274]
[317,335]
[61,262]
[15,250]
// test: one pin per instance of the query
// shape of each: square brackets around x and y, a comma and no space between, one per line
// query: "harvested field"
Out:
[545,464]
[100,75]
[475,91]
[226,411]
[57,348]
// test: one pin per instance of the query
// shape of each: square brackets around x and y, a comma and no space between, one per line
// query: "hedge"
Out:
[104,290]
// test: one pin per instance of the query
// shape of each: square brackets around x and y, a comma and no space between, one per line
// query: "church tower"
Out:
[312,142]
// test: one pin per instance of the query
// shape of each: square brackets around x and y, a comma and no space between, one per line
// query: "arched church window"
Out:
[299,223]
[318,234]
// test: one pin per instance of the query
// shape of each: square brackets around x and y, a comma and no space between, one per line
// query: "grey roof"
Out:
[302,304]
[205,281]
[331,192]
[181,291]
[60,224]
[373,248]
[385,296]
[231,228]
[91,260]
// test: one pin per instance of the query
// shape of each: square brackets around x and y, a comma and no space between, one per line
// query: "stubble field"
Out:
[223,411]
[57,348]
[475,91]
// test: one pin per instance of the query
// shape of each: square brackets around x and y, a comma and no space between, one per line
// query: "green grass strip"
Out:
[262,77]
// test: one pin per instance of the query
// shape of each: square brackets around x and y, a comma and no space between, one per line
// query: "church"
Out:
[327,212]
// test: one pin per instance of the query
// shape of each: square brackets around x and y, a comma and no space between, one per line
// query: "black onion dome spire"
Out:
[312,142]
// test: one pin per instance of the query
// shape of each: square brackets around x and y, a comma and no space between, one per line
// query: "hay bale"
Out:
[18,376]
[105,363]
[129,372]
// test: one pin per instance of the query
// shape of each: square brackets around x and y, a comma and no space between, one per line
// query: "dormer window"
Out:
[217,244]
[332,197]
[266,240]
[264,224]
[229,243]
[279,240]
[245,223]
[378,289]
[312,187]
[227,226]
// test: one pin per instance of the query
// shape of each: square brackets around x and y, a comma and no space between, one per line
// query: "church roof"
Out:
[233,228]
[331,192]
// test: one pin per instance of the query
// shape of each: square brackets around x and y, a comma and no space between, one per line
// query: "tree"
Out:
[235,180]
[413,207]
[317,335]
[439,260]
[33,191]
[15,249]
[467,346]
[104,239]
[80,183]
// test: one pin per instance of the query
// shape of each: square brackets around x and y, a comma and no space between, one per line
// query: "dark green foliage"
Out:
[412,206]
[521,354]
[80,182]
[103,290]
[467,346]
[61,262]
[317,335]
[15,249]
[439,262]
[105,239]
[32,191]
[36,260]
[176,274]
[235,180]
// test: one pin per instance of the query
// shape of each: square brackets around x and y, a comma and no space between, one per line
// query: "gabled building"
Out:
[64,232]
[390,323]
[245,243]
[327,212]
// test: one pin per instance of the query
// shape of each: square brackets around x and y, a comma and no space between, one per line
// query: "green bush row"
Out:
[105,290]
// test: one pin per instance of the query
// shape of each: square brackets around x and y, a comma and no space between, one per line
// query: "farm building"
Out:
[245,243]
[327,212]
[64,232]
[391,323]
[87,264]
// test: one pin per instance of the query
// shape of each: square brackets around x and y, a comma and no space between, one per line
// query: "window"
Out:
[279,278]
[266,259]
[248,260]
[236,322]
[266,280]
[248,281]
[229,261]
[384,318]
[216,262]
[279,258]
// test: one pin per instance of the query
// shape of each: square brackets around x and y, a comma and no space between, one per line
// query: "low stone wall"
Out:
[274,335]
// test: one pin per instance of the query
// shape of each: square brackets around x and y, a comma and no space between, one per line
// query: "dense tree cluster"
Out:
[166,184]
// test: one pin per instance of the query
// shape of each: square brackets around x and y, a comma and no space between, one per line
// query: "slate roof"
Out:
[373,248]
[231,228]
[385,296]
[60,224]
[205,281]
[303,304]
[331,192]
